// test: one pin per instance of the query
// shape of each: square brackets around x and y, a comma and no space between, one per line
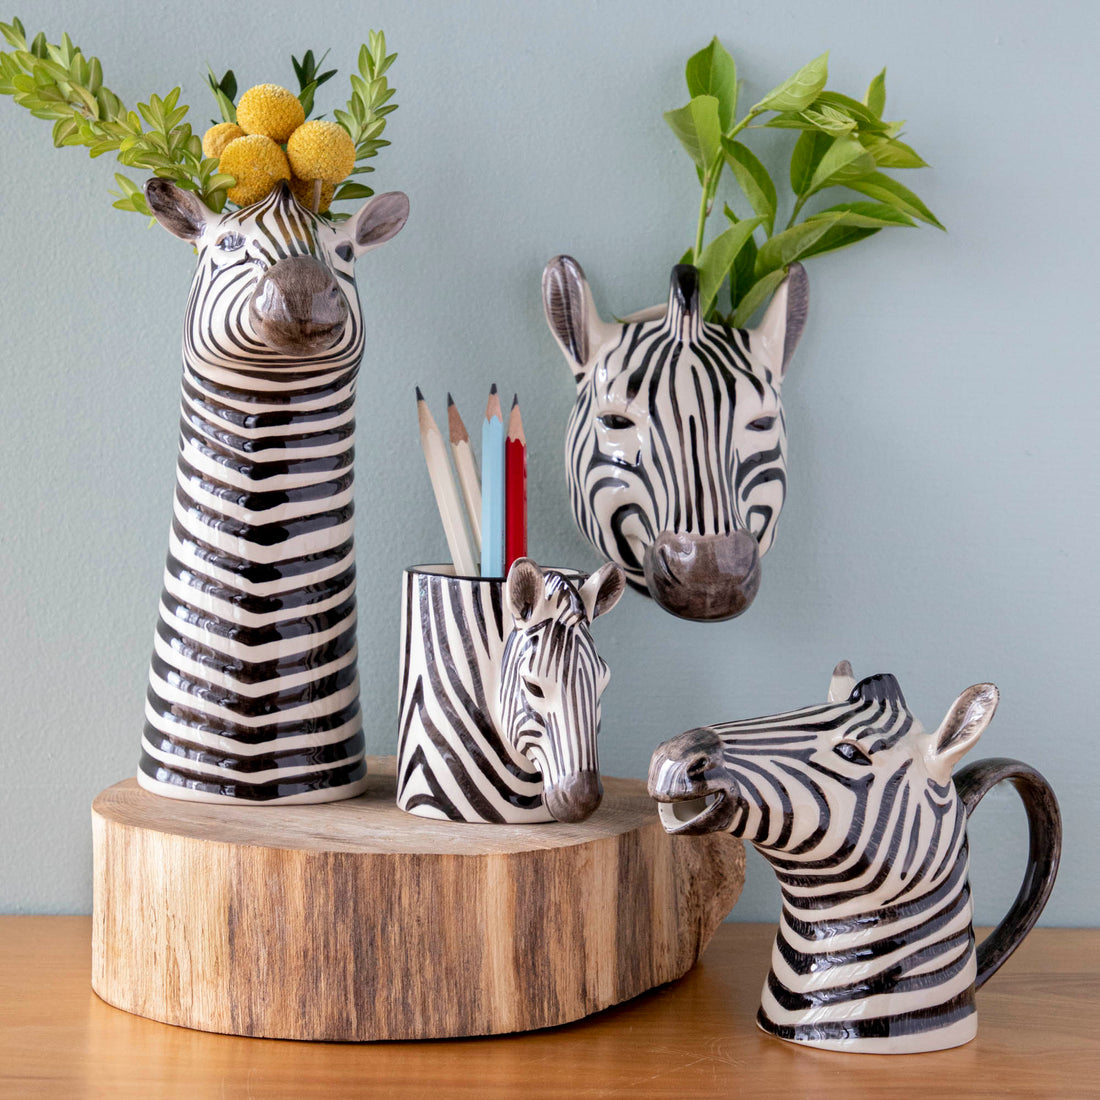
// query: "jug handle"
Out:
[1044,822]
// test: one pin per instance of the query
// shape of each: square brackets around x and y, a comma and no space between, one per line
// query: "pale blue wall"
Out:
[942,408]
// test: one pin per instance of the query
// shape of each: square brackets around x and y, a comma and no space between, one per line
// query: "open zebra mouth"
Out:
[690,816]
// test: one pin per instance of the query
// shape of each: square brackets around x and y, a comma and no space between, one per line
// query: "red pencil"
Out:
[515,479]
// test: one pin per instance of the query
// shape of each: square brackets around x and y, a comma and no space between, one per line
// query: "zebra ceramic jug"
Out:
[675,451]
[500,693]
[253,691]
[853,805]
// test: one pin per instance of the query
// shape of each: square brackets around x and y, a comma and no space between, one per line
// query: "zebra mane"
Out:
[881,688]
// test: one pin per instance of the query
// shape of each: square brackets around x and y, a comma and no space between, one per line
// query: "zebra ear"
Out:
[840,686]
[524,589]
[380,219]
[181,212]
[774,341]
[571,314]
[602,591]
[960,730]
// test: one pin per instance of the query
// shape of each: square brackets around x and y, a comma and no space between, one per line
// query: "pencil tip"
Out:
[515,400]
[450,400]
[493,388]
[419,395]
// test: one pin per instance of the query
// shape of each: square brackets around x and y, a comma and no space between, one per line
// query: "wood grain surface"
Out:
[1037,1036]
[353,920]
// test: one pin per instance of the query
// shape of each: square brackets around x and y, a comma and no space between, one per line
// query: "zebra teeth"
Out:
[693,815]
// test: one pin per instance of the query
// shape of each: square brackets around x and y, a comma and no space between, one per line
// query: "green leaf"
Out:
[742,275]
[757,294]
[866,119]
[805,157]
[713,72]
[886,189]
[876,94]
[698,129]
[800,90]
[892,153]
[839,236]
[753,179]
[352,191]
[786,247]
[844,160]
[868,215]
[718,257]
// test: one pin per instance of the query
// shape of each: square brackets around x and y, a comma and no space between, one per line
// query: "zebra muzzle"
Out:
[705,578]
[298,308]
[574,797]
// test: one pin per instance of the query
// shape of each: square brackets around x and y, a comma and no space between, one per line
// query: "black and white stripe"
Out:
[853,806]
[253,687]
[500,694]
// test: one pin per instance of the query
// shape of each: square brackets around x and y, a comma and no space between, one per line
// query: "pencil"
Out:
[492,488]
[446,494]
[515,463]
[466,468]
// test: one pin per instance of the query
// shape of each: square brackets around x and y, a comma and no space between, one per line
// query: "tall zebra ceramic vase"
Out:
[253,692]
[500,694]
[853,805]
[675,451]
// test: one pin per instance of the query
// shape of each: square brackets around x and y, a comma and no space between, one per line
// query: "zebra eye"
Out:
[616,423]
[230,242]
[763,423]
[852,753]
[533,688]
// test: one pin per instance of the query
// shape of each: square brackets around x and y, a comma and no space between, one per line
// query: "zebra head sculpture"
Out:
[253,693]
[552,679]
[853,805]
[675,449]
[500,694]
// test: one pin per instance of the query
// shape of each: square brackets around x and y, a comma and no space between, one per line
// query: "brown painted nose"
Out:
[575,797]
[705,578]
[298,307]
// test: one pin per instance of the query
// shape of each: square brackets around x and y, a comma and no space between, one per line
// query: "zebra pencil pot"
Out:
[500,693]
[853,805]
[253,692]
[675,451]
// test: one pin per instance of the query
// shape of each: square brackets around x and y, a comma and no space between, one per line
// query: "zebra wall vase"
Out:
[253,691]
[853,805]
[675,449]
[500,693]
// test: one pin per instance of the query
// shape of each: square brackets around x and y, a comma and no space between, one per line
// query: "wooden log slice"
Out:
[353,920]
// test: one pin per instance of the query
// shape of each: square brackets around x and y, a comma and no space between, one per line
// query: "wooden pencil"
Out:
[466,468]
[492,488]
[515,461]
[446,492]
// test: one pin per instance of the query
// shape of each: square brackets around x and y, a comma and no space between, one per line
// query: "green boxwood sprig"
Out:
[843,143]
[57,82]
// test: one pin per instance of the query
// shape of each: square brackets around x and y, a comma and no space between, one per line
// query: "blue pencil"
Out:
[492,488]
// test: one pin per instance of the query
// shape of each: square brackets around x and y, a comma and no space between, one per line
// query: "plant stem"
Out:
[710,187]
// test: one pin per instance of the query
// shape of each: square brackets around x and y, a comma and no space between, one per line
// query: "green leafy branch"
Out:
[309,79]
[58,83]
[843,143]
[367,108]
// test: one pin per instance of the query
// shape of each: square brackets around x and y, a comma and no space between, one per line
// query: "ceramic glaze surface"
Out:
[500,693]
[253,689]
[676,446]
[853,805]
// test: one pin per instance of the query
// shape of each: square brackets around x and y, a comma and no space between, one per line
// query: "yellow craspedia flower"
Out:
[218,137]
[257,164]
[303,192]
[320,150]
[271,110]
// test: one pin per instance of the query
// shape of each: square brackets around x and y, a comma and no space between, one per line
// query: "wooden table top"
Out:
[1039,1035]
